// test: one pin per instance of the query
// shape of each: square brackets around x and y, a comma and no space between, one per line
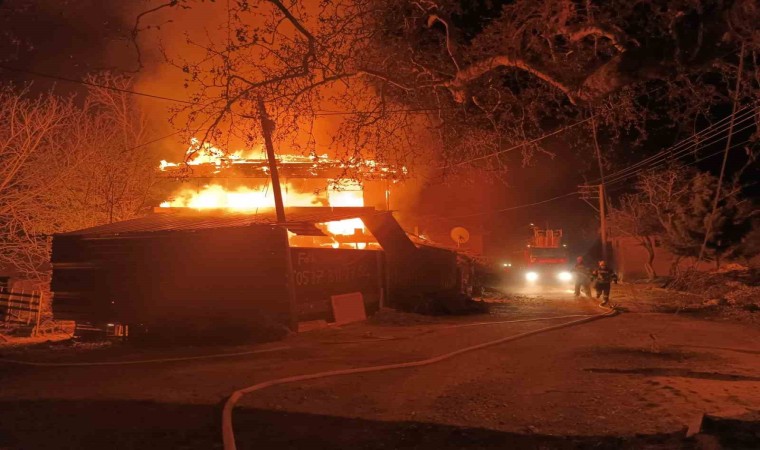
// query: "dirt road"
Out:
[631,381]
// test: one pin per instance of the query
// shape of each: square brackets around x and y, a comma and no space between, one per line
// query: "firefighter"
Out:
[582,278]
[602,277]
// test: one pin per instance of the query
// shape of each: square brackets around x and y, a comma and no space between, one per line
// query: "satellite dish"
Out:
[460,235]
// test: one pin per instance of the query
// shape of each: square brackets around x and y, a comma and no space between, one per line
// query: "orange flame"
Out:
[215,196]
[345,193]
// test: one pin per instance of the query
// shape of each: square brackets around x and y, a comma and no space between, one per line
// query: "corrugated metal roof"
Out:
[298,219]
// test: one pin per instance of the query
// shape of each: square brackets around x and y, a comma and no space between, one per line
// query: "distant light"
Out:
[564,245]
[531,276]
[565,276]
[507,265]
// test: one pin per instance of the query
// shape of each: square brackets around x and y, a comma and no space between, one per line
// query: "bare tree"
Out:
[66,165]
[635,218]
[116,176]
[32,131]
[679,199]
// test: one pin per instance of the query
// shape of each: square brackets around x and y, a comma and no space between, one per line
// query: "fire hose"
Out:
[228,432]
[448,327]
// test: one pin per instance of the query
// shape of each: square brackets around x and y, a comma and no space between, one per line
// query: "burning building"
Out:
[241,180]
[214,256]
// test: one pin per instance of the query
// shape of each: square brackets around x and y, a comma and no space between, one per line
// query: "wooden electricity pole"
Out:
[590,192]
[602,200]
[602,215]
[267,128]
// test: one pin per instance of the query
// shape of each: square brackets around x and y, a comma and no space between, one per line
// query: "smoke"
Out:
[172,37]
[167,40]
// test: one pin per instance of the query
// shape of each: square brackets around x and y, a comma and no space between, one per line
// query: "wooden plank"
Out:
[17,304]
[10,294]
[348,308]
[22,322]
[16,308]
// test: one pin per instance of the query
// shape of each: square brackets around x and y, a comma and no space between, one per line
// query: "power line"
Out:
[88,83]
[613,181]
[153,141]
[660,164]
[696,161]
[710,132]
[512,208]
[683,147]
[662,161]
[538,139]
[715,154]
[515,147]
[668,151]
[404,110]
[689,142]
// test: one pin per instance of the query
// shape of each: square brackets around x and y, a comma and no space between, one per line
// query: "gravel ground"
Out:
[631,381]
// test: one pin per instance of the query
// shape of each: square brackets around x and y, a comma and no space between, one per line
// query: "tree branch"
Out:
[616,36]
[476,70]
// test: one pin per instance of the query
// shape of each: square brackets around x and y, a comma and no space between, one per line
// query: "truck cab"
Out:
[545,259]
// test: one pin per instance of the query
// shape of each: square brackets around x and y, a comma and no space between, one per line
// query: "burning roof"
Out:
[182,219]
[207,161]
[329,185]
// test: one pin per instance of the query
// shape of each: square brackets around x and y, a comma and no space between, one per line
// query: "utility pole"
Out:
[603,219]
[602,200]
[267,128]
[590,192]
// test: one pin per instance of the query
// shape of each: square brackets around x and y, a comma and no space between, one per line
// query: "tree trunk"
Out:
[674,266]
[650,258]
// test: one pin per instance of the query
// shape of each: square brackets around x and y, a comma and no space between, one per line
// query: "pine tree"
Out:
[690,215]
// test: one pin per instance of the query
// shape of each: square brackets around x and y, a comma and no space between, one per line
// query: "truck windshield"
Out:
[548,253]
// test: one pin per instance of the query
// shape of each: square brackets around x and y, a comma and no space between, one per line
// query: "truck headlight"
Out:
[531,276]
[564,276]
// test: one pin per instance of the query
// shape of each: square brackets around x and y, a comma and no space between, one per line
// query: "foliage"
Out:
[66,165]
[680,200]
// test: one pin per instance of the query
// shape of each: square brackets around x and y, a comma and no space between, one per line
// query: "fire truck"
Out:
[545,259]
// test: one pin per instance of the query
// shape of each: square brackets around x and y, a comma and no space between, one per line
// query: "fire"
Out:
[215,196]
[338,193]
[213,160]
[345,193]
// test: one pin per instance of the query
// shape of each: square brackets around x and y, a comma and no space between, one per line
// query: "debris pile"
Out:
[733,286]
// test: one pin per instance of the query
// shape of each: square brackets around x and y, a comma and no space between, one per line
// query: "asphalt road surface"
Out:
[631,381]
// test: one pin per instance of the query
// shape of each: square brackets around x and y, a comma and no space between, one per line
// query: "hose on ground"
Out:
[459,325]
[228,432]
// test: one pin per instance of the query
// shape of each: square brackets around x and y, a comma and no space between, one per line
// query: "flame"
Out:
[345,193]
[206,154]
[215,196]
[339,193]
